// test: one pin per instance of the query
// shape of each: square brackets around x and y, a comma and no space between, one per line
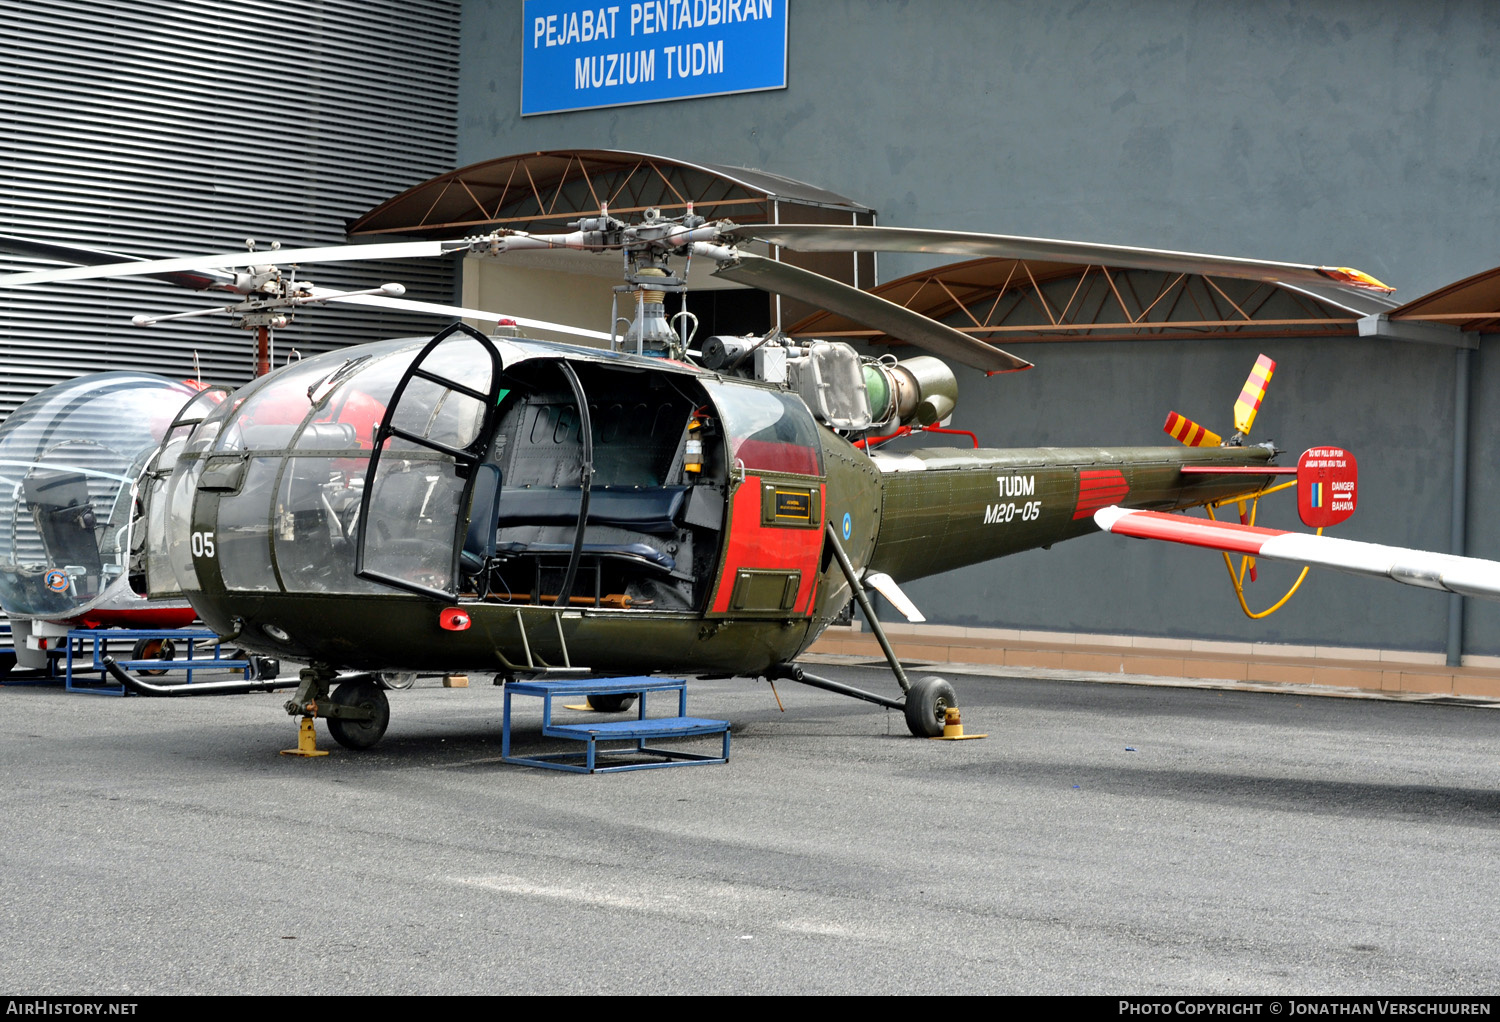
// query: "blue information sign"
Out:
[578,54]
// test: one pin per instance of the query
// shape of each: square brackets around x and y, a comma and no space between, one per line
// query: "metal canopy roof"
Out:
[1471,304]
[544,190]
[1012,300]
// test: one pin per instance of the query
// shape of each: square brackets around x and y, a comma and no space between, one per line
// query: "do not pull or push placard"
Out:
[1327,486]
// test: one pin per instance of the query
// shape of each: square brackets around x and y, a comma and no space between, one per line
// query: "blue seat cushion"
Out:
[639,552]
[652,510]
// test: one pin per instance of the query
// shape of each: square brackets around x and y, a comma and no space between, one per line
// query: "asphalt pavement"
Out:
[1105,839]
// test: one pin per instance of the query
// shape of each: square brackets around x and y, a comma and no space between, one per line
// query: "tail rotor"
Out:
[1187,432]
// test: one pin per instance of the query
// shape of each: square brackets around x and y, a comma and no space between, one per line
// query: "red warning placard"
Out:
[1327,486]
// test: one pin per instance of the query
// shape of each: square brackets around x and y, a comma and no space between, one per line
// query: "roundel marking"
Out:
[848,524]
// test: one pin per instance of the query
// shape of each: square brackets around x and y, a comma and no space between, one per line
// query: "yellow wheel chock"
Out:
[953,728]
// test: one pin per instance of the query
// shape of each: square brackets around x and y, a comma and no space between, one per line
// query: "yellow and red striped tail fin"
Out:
[1255,391]
[1188,432]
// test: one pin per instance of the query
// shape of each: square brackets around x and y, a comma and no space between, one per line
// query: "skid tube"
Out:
[793,672]
[142,687]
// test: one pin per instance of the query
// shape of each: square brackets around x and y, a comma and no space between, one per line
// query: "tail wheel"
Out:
[396,679]
[153,649]
[927,704]
[364,694]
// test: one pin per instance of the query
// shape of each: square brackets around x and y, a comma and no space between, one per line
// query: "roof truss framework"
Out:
[1022,300]
[544,191]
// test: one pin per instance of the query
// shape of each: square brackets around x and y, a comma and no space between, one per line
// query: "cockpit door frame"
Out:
[464,458]
[150,484]
[586,474]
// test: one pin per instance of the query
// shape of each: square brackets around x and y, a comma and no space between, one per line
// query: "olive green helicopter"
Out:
[487,502]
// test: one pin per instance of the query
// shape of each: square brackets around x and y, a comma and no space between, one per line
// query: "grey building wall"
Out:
[168,128]
[1346,133]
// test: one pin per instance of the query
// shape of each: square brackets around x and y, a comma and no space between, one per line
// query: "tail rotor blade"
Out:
[1250,398]
[1187,432]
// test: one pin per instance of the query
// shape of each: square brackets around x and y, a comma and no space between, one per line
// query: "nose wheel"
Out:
[363,730]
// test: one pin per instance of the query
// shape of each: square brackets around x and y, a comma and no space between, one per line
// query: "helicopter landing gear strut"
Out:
[930,705]
[357,711]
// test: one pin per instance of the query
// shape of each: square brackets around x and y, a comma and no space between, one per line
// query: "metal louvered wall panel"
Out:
[158,128]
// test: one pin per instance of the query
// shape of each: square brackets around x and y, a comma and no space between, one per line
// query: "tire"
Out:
[613,702]
[360,734]
[927,704]
[393,680]
[153,649]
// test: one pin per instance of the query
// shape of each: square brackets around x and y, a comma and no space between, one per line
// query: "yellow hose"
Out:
[1237,579]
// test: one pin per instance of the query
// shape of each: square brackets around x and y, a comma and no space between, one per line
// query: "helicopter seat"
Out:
[640,554]
[479,540]
[64,515]
[539,522]
[652,509]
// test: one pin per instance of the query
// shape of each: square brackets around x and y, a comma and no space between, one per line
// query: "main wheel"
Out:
[927,704]
[360,734]
[613,702]
[153,649]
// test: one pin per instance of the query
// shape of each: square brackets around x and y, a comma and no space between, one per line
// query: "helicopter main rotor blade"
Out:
[154,267]
[863,307]
[197,280]
[457,312]
[856,238]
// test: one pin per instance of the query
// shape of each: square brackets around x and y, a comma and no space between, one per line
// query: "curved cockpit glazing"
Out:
[494,481]
[68,459]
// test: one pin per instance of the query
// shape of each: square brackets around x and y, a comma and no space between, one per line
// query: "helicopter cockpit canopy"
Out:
[68,460]
[466,467]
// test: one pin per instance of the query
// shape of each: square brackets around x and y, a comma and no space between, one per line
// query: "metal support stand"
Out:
[307,741]
[1460,499]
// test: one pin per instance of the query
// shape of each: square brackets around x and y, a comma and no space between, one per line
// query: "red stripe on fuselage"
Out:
[1099,488]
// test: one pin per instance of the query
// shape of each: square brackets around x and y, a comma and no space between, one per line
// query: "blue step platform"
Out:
[592,732]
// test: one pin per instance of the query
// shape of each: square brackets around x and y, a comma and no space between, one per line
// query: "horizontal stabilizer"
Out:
[1467,576]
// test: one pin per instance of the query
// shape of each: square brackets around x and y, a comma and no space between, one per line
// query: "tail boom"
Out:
[947,508]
